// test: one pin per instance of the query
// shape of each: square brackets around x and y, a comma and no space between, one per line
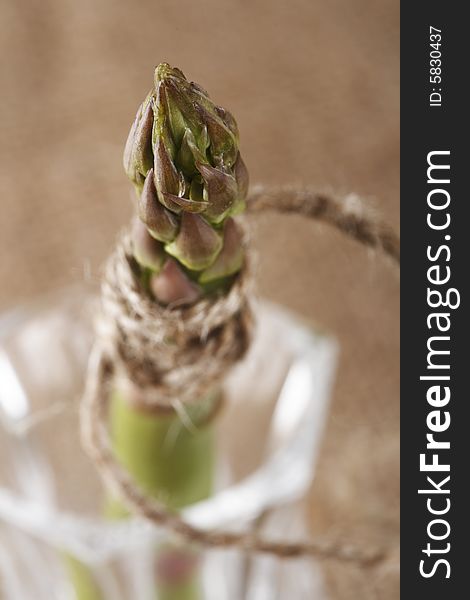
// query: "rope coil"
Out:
[182,352]
[162,353]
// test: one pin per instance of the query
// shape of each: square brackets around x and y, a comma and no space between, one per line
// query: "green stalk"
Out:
[190,180]
[81,579]
[173,464]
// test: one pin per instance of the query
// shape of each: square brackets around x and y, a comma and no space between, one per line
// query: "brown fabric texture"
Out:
[314,88]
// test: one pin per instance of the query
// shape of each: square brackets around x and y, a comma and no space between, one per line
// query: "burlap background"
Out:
[314,87]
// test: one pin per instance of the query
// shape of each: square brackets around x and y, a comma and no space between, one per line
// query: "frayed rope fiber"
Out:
[169,355]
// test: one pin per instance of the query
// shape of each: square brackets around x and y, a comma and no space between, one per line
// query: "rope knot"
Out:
[175,353]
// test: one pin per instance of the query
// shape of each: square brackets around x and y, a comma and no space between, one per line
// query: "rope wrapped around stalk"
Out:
[122,351]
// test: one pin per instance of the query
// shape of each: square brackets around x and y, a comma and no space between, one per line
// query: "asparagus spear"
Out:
[182,157]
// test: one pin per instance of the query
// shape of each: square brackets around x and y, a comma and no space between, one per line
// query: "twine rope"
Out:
[181,352]
[349,214]
[165,353]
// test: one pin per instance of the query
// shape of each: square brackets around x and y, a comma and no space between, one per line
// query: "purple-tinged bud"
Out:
[195,87]
[241,176]
[220,191]
[223,145]
[161,223]
[228,119]
[188,205]
[198,180]
[197,244]
[167,178]
[161,123]
[181,102]
[231,257]
[168,113]
[189,153]
[173,286]
[138,154]
[147,251]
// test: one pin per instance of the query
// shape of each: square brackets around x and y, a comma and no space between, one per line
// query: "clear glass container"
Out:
[51,497]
